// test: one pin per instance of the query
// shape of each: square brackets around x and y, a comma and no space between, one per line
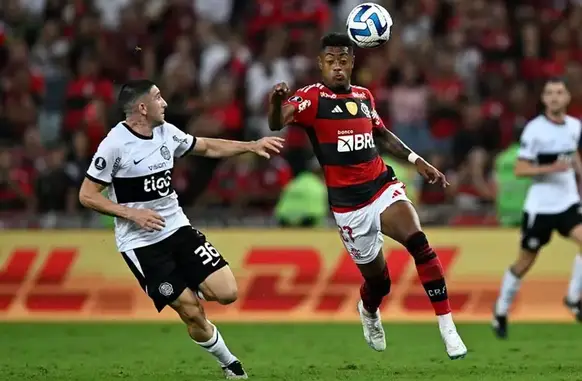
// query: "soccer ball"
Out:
[369,25]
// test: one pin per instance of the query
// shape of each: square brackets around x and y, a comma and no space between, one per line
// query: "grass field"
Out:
[155,352]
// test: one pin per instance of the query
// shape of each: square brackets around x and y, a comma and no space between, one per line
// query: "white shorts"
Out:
[360,229]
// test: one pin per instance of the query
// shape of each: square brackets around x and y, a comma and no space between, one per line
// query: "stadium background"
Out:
[457,82]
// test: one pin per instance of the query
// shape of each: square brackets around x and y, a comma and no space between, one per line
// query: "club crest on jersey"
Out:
[295,98]
[165,152]
[352,108]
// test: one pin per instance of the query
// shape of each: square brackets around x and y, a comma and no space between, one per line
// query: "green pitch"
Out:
[154,352]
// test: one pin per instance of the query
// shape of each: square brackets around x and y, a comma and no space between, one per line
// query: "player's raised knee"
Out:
[228,296]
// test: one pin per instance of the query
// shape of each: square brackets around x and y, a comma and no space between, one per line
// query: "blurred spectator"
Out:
[16,192]
[55,190]
[455,82]
[409,110]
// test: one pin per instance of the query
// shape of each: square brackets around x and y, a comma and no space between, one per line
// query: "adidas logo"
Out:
[337,110]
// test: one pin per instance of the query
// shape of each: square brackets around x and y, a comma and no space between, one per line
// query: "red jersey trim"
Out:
[348,209]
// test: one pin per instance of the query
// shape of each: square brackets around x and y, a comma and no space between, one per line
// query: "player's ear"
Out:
[319,62]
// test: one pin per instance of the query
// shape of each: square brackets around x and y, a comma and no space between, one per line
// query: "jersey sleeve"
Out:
[305,103]
[376,120]
[180,142]
[527,143]
[105,163]
[579,136]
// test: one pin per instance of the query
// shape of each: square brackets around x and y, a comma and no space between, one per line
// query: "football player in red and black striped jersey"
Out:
[365,196]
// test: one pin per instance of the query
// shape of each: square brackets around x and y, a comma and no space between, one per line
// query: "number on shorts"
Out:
[208,253]
[347,233]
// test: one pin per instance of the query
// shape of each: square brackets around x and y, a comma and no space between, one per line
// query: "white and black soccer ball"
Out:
[369,25]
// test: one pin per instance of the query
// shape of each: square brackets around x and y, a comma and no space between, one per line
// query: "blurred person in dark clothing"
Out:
[15,190]
[223,118]
[79,158]
[55,190]
[87,85]
[473,147]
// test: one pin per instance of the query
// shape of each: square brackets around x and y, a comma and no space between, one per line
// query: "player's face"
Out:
[156,106]
[336,64]
[555,97]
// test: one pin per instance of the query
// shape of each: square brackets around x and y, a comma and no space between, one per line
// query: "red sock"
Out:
[373,291]
[430,272]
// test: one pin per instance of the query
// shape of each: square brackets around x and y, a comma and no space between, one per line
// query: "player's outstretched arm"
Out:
[279,115]
[398,149]
[91,196]
[216,148]
[526,168]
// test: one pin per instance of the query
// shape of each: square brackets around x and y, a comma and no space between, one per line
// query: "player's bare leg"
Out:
[220,286]
[572,299]
[509,288]
[400,222]
[205,334]
[376,285]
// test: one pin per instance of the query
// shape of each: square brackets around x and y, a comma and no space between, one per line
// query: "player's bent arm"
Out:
[91,196]
[394,145]
[280,115]
[526,168]
[578,165]
[216,148]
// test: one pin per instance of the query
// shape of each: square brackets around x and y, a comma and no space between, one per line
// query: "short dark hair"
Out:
[337,40]
[556,80]
[131,91]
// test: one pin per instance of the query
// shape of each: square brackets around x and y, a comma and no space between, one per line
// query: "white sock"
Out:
[200,295]
[575,286]
[217,347]
[446,322]
[509,287]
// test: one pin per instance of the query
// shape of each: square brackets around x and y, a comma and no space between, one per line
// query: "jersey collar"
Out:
[137,134]
[340,91]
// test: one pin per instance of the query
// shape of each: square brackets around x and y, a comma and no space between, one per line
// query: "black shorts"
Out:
[536,229]
[183,260]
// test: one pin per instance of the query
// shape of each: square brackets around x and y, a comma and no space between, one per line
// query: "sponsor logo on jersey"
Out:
[327,95]
[116,166]
[295,98]
[304,105]
[355,142]
[161,184]
[179,141]
[157,166]
[100,163]
[352,108]
[365,110]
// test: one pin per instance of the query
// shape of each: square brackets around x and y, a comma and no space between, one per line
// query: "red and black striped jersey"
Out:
[340,127]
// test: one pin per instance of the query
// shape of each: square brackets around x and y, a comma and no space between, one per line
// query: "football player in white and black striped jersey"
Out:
[549,155]
[173,262]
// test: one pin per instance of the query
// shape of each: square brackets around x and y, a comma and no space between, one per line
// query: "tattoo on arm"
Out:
[394,145]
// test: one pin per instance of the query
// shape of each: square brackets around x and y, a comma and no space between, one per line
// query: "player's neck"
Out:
[345,89]
[556,117]
[140,126]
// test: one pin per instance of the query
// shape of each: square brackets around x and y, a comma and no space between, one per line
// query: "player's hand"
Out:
[433,175]
[147,219]
[280,92]
[263,146]
[560,166]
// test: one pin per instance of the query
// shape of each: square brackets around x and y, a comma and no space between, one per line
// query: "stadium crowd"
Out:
[457,82]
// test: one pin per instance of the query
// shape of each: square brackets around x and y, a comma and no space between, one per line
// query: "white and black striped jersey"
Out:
[544,142]
[138,171]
